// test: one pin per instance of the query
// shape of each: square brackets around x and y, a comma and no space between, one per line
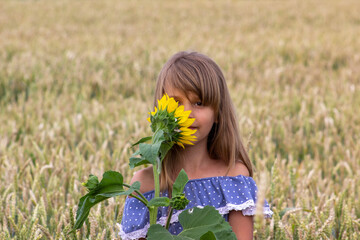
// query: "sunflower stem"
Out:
[153,210]
[169,218]
[156,181]
[144,200]
[169,123]
[138,198]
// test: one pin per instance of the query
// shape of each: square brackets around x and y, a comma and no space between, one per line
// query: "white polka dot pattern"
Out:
[224,193]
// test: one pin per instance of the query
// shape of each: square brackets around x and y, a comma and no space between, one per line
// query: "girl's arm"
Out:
[243,226]
[146,179]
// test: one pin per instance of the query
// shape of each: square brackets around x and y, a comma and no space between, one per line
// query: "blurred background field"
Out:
[77,80]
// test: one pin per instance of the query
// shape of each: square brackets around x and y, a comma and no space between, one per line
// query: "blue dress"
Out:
[225,193]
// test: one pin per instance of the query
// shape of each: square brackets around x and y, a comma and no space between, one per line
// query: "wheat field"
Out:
[77,80]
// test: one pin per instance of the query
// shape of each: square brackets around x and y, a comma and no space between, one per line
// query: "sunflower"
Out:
[171,118]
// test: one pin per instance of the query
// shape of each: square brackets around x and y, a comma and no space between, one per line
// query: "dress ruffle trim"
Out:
[141,233]
[248,209]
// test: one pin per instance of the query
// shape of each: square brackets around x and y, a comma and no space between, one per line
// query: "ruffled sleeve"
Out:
[237,193]
[225,193]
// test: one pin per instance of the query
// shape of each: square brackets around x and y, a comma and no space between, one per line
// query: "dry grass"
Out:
[77,79]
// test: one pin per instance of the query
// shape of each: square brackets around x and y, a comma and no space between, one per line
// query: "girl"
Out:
[217,165]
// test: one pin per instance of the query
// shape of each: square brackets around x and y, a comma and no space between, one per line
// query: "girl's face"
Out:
[204,115]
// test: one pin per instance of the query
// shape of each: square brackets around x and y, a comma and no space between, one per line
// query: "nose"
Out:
[192,114]
[188,107]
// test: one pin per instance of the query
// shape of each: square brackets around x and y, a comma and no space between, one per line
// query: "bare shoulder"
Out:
[239,169]
[146,178]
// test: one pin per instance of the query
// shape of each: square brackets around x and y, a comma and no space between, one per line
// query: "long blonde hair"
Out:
[197,73]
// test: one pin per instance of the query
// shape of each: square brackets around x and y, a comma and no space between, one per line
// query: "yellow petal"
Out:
[189,138]
[183,115]
[154,112]
[187,123]
[182,120]
[172,105]
[163,102]
[179,111]
[180,144]
[186,131]
[186,142]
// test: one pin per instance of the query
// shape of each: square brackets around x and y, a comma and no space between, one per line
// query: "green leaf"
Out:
[135,162]
[150,151]
[208,236]
[158,232]
[203,224]
[145,139]
[111,185]
[164,148]
[159,137]
[112,192]
[180,183]
[111,178]
[159,201]
[196,222]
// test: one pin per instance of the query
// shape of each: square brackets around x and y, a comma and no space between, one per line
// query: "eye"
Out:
[178,101]
[199,103]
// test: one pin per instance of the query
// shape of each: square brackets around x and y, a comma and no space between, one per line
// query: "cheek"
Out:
[209,120]
[212,118]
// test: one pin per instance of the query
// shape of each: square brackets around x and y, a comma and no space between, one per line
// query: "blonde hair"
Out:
[197,73]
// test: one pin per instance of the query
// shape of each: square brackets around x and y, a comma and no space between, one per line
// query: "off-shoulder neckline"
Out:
[204,179]
[208,178]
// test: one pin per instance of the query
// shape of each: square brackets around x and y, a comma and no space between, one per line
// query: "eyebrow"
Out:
[173,96]
[192,96]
